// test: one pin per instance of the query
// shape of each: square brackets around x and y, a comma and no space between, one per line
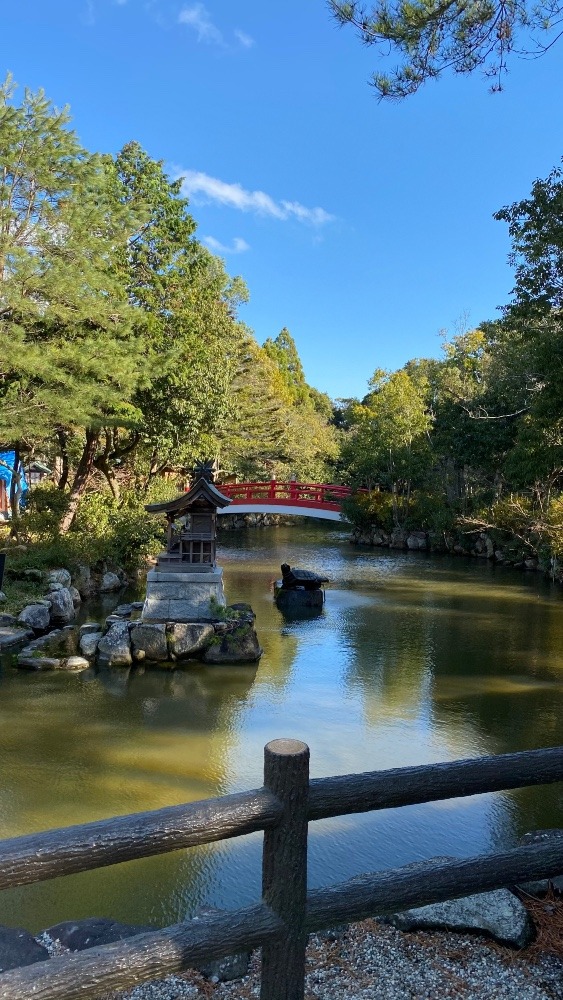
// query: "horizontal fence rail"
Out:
[92,973]
[279,924]
[405,786]
[41,856]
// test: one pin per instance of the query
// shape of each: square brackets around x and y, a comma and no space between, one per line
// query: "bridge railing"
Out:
[294,492]
[280,922]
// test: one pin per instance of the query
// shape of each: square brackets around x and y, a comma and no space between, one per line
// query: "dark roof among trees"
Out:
[201,489]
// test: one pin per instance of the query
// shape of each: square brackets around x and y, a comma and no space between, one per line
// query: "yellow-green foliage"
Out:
[370,510]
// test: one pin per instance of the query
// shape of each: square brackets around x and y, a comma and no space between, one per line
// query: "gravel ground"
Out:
[371,961]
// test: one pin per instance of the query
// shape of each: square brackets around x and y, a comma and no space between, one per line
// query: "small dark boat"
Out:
[301,578]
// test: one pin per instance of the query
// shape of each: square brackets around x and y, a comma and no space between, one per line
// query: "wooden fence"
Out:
[280,922]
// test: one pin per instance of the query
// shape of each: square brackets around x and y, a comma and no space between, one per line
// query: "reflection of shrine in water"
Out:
[199,699]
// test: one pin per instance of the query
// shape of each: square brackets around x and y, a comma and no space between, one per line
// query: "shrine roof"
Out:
[201,489]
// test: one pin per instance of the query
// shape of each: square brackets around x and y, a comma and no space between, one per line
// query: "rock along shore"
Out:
[371,961]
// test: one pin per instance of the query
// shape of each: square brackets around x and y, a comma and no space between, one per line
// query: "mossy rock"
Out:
[238,646]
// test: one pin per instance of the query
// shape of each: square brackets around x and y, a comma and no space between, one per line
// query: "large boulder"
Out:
[75,594]
[417,541]
[293,600]
[398,539]
[123,610]
[8,620]
[35,616]
[110,582]
[187,639]
[90,627]
[62,607]
[78,935]
[239,645]
[89,643]
[114,648]
[61,576]
[19,947]
[499,913]
[149,639]
[83,582]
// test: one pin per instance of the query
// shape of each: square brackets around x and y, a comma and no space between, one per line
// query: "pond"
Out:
[414,659]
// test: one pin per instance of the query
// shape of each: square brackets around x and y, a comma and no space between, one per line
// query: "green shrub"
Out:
[369,510]
[119,532]
[45,507]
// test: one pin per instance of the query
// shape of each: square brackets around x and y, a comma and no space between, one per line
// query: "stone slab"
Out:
[11,635]
[171,592]
[159,576]
[497,913]
[183,597]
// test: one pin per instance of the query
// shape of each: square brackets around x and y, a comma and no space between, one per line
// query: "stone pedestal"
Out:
[295,598]
[183,597]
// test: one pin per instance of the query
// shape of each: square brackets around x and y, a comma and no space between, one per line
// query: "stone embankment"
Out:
[230,640]
[52,644]
[478,546]
[57,608]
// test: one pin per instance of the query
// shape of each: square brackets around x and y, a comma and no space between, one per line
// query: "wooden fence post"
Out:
[284,870]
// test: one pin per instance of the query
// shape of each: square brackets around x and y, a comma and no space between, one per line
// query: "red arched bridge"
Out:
[307,499]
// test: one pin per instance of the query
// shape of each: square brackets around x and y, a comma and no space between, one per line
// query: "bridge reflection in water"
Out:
[321,500]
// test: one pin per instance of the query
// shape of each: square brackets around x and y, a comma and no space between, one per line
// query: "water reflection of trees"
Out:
[484,664]
[480,670]
[86,754]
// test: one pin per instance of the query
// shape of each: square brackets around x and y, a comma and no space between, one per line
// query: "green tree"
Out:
[529,342]
[309,439]
[68,346]
[251,439]
[433,36]
[283,352]
[389,438]
[187,308]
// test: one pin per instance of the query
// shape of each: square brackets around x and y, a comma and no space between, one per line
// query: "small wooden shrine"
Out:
[191,539]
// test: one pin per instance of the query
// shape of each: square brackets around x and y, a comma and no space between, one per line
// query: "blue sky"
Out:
[365,228]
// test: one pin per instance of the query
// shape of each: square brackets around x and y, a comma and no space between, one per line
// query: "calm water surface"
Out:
[414,659]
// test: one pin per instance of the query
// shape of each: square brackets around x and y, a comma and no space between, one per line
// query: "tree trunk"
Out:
[395,506]
[62,438]
[106,469]
[83,473]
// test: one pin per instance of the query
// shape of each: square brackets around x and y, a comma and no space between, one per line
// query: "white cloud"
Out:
[245,40]
[239,245]
[89,13]
[197,17]
[195,183]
